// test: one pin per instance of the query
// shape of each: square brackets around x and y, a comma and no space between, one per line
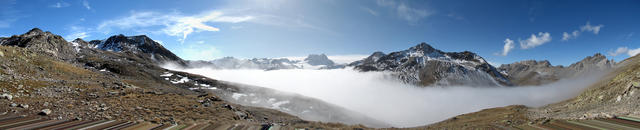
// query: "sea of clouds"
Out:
[379,95]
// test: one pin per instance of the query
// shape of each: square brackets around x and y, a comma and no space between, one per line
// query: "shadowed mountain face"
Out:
[140,45]
[532,72]
[424,65]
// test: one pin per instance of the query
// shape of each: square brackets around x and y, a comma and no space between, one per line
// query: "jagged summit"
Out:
[425,48]
[140,44]
[370,59]
[45,42]
[318,59]
[56,46]
[597,62]
[424,65]
[35,31]
[544,63]
[531,72]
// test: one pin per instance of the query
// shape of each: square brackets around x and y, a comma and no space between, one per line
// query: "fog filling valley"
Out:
[380,96]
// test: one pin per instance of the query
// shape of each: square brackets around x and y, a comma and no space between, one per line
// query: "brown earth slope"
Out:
[615,95]
[93,84]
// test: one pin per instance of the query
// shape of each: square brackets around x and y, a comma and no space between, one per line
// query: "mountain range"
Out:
[424,65]
[120,78]
[313,61]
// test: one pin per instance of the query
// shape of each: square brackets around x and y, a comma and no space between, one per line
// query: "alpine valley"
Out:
[127,79]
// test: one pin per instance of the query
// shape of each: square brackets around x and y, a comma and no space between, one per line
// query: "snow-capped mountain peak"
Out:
[424,65]
[313,61]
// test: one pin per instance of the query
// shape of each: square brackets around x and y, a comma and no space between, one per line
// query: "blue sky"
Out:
[279,28]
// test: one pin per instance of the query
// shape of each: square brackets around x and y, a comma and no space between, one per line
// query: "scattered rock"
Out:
[241,115]
[228,106]
[114,93]
[45,112]
[14,105]
[25,106]
[6,96]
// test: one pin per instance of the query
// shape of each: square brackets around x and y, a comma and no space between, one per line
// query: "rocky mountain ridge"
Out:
[140,45]
[531,72]
[44,42]
[81,80]
[313,61]
[426,66]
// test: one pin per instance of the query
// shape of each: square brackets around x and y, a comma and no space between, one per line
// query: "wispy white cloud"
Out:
[73,36]
[8,14]
[535,40]
[404,11]
[585,28]
[85,3]
[174,24]
[369,10]
[77,32]
[566,36]
[508,46]
[625,50]
[590,28]
[628,36]
[455,16]
[290,22]
[61,4]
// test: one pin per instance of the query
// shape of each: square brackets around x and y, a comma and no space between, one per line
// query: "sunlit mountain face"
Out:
[285,64]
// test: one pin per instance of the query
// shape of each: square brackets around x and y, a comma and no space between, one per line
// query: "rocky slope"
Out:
[531,72]
[141,46]
[426,66]
[313,61]
[116,79]
[42,42]
[616,94]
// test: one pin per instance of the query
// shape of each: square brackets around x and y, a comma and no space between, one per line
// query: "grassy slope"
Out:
[598,101]
[135,93]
